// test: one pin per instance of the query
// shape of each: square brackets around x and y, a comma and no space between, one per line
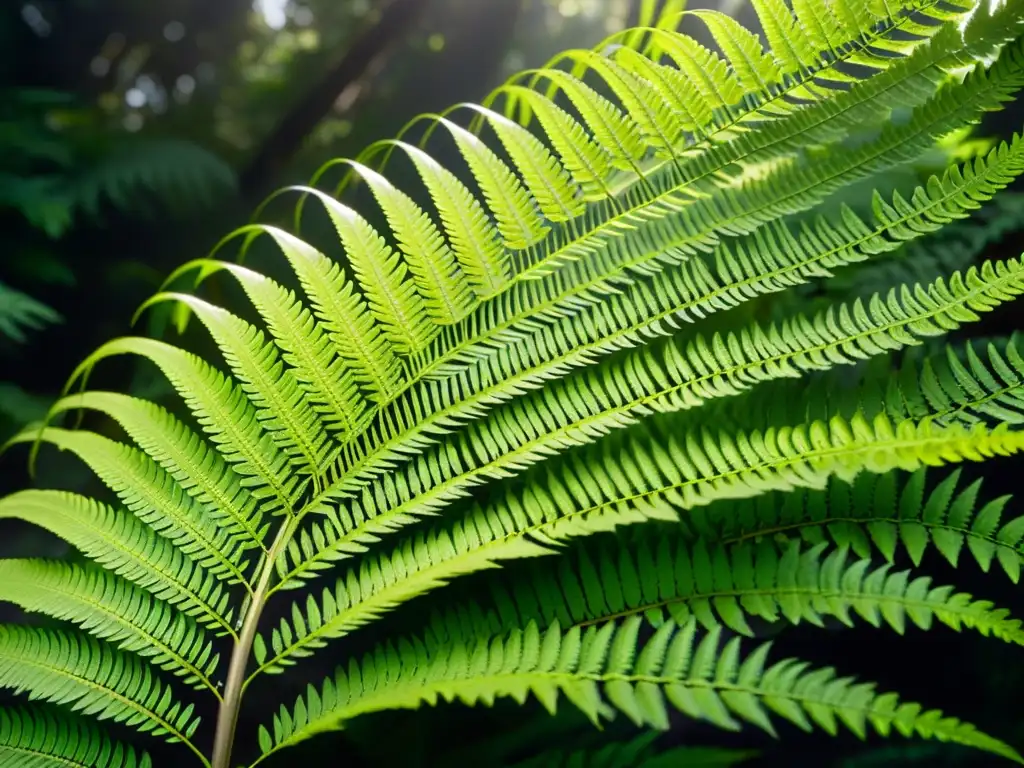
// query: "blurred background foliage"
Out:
[133,135]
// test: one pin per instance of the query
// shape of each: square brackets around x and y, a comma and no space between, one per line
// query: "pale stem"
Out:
[227,718]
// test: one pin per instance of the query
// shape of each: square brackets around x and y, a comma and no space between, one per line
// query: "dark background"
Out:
[133,135]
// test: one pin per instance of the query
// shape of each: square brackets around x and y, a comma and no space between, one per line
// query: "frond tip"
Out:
[600,669]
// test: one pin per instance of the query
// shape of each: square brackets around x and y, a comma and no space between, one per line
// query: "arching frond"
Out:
[123,544]
[952,249]
[70,669]
[769,261]
[663,576]
[281,409]
[966,385]
[602,667]
[151,494]
[609,487]
[147,175]
[878,514]
[224,413]
[113,610]
[201,472]
[20,313]
[579,410]
[31,738]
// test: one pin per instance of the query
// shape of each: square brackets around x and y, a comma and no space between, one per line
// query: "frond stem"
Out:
[227,719]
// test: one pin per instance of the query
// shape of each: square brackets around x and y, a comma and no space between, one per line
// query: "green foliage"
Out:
[59,163]
[37,739]
[20,313]
[61,167]
[669,329]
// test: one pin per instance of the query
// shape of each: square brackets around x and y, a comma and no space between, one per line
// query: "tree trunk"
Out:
[262,172]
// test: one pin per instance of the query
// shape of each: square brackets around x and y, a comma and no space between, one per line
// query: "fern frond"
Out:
[584,285]
[963,385]
[599,490]
[224,413]
[151,494]
[199,470]
[78,672]
[599,670]
[345,315]
[392,299]
[271,387]
[662,576]
[316,548]
[123,544]
[31,738]
[767,261]
[112,610]
[516,352]
[864,103]
[177,176]
[677,228]
[432,264]
[952,249]
[577,411]
[326,380]
[877,513]
[20,313]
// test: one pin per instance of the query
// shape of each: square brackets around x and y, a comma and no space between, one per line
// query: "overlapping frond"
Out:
[71,669]
[965,384]
[877,515]
[226,414]
[770,260]
[606,667]
[36,738]
[667,577]
[150,493]
[606,487]
[200,471]
[952,249]
[944,382]
[578,410]
[123,544]
[113,610]
[281,408]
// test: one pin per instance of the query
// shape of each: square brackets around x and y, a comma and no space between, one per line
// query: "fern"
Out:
[603,667]
[732,586]
[44,739]
[147,176]
[20,313]
[667,330]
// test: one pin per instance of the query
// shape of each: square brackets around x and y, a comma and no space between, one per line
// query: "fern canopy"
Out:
[669,327]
